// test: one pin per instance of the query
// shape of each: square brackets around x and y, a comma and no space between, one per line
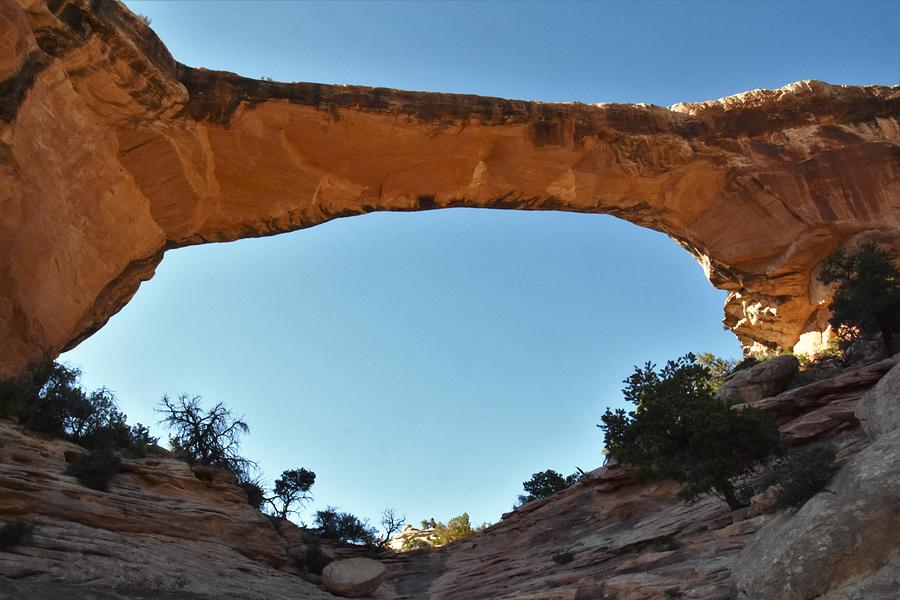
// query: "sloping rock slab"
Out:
[879,409]
[841,537]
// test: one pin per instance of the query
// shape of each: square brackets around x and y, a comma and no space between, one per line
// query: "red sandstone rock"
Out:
[111,152]
[171,532]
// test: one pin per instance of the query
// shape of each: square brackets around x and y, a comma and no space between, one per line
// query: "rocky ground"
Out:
[165,531]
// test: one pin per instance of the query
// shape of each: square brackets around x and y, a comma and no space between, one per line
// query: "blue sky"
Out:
[431,362]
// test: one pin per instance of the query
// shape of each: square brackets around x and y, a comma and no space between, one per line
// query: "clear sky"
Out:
[431,362]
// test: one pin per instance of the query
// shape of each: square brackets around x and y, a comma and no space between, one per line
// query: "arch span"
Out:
[111,152]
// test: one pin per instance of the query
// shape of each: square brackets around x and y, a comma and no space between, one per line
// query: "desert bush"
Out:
[413,544]
[720,369]
[207,437]
[800,475]
[563,558]
[256,496]
[867,297]
[49,399]
[392,524]
[680,431]
[344,527]
[544,484]
[457,528]
[95,469]
[291,491]
[12,534]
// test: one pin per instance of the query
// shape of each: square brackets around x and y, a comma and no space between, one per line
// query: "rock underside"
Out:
[167,531]
[111,153]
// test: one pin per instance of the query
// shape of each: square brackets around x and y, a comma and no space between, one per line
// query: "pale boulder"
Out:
[354,577]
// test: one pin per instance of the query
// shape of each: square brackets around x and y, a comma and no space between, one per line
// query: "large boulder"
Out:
[760,381]
[840,540]
[353,577]
[879,410]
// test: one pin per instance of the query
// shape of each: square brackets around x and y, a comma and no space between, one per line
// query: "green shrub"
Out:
[867,298]
[12,534]
[45,398]
[457,528]
[291,491]
[720,369]
[256,497]
[680,431]
[801,474]
[49,399]
[95,469]
[545,484]
[413,544]
[343,527]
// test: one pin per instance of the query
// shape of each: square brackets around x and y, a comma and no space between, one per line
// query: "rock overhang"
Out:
[113,152]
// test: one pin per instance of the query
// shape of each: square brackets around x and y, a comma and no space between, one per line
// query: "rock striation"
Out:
[112,152]
[162,531]
[165,531]
[843,544]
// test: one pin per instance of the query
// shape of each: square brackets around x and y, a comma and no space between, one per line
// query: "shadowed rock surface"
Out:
[167,531]
[844,543]
[112,152]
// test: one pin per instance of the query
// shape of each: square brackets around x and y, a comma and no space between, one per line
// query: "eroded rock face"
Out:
[162,531]
[111,152]
[607,537]
[835,539]
[843,544]
[168,532]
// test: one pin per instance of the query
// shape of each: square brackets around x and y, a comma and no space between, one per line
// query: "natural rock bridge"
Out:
[111,153]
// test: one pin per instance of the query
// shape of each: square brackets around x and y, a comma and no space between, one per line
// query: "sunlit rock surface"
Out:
[164,531]
[111,152]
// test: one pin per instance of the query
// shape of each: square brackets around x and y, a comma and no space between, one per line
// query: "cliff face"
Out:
[111,152]
[164,531]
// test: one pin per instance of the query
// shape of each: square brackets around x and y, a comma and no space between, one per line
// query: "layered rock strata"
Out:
[609,537]
[112,152]
[843,544]
[164,531]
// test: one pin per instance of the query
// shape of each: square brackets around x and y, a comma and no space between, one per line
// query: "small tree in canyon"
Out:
[546,483]
[680,431]
[291,491]
[867,297]
[208,437]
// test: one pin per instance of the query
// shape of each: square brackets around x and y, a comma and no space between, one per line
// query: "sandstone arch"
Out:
[111,152]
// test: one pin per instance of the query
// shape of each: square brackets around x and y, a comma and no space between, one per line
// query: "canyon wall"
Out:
[111,153]
[166,531]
